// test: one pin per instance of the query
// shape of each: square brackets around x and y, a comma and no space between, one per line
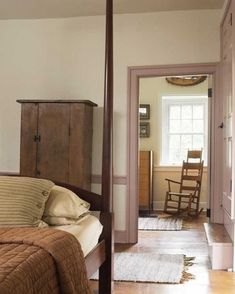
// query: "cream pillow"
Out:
[22,201]
[64,207]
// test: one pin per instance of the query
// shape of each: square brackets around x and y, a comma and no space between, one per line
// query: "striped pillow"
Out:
[22,201]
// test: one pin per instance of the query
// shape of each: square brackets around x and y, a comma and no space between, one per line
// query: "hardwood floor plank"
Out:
[191,242]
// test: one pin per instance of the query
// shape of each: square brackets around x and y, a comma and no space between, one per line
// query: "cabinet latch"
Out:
[37,138]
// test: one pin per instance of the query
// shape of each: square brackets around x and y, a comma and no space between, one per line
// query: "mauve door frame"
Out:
[216,137]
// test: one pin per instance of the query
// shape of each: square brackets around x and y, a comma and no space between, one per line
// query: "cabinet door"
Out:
[28,143]
[53,146]
[80,150]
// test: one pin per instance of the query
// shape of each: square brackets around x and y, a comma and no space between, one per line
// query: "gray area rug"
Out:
[149,267]
[160,224]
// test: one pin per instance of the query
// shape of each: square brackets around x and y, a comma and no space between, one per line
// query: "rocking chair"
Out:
[188,196]
[194,156]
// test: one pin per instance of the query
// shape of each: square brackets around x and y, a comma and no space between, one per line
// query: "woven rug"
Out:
[160,224]
[151,267]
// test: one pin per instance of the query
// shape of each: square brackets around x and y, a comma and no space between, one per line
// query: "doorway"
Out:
[135,75]
[174,119]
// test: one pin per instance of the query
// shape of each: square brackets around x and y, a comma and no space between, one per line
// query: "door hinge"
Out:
[208,212]
[231,19]
[210,93]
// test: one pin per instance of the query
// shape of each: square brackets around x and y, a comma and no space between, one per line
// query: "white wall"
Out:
[64,58]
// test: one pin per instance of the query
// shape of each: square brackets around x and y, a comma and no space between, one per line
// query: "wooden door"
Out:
[53,145]
[228,129]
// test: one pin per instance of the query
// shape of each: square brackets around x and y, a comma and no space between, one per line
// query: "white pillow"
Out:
[63,204]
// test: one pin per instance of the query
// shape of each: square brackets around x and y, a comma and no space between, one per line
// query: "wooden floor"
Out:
[191,242]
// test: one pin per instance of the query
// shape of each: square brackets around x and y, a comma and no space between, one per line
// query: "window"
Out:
[184,126]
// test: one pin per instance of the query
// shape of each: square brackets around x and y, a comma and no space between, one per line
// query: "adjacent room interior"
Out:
[176,119]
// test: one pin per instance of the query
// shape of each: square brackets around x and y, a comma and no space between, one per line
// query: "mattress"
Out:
[87,232]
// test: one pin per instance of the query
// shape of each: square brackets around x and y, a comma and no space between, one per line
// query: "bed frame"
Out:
[101,257]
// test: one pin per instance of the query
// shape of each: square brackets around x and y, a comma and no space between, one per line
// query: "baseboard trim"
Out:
[159,205]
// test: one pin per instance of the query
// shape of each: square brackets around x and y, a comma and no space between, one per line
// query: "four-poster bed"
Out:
[101,256]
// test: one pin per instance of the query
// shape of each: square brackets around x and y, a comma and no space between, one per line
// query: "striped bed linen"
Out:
[22,200]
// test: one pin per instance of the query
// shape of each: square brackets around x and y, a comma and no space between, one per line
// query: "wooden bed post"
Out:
[106,270]
[108,113]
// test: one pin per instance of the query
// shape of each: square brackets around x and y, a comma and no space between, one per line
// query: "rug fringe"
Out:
[185,227]
[185,275]
[189,258]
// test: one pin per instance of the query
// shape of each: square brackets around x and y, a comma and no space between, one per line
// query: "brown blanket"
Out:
[42,261]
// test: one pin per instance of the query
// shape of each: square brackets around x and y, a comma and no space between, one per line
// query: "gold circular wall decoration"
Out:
[186,80]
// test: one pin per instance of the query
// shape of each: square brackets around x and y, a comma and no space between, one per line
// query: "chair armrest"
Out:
[175,182]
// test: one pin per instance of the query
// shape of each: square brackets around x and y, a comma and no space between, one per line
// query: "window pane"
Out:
[198,126]
[174,126]
[186,142]
[174,141]
[186,126]
[175,112]
[174,155]
[186,111]
[183,154]
[198,141]
[174,148]
[198,112]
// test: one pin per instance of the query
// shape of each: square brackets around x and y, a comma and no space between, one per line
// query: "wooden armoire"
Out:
[56,140]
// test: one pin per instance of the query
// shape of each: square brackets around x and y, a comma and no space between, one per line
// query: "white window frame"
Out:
[168,101]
